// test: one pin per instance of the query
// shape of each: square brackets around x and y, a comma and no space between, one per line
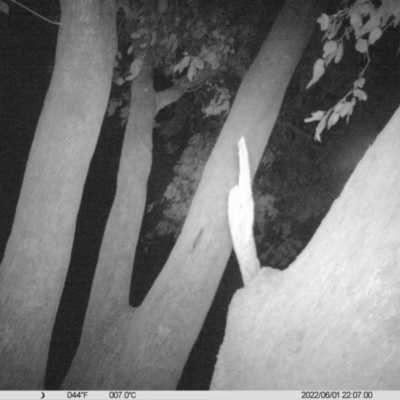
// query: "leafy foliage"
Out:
[291,194]
[365,22]
[179,193]
[191,50]
[293,188]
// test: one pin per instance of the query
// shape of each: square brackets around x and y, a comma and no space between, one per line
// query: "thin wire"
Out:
[35,13]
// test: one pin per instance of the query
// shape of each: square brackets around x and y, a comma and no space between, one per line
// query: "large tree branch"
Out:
[168,96]
[183,85]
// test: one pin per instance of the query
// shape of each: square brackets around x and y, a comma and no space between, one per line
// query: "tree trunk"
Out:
[109,300]
[108,310]
[179,300]
[332,319]
[147,348]
[38,251]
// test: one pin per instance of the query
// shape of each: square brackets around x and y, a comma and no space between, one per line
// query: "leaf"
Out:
[374,35]
[195,64]
[330,57]
[217,109]
[365,8]
[182,64]
[396,15]
[315,116]
[321,126]
[361,45]
[373,23]
[350,111]
[171,39]
[387,12]
[172,43]
[149,209]
[125,111]
[112,106]
[318,71]
[333,119]
[136,35]
[135,69]
[356,22]
[211,58]
[346,109]
[141,32]
[359,83]
[329,47]
[4,7]
[338,106]
[174,46]
[130,49]
[360,94]
[339,53]
[323,20]
[219,104]
[162,6]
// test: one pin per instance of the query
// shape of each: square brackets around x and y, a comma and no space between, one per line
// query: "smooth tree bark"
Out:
[37,255]
[147,347]
[104,332]
[332,319]
[108,310]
